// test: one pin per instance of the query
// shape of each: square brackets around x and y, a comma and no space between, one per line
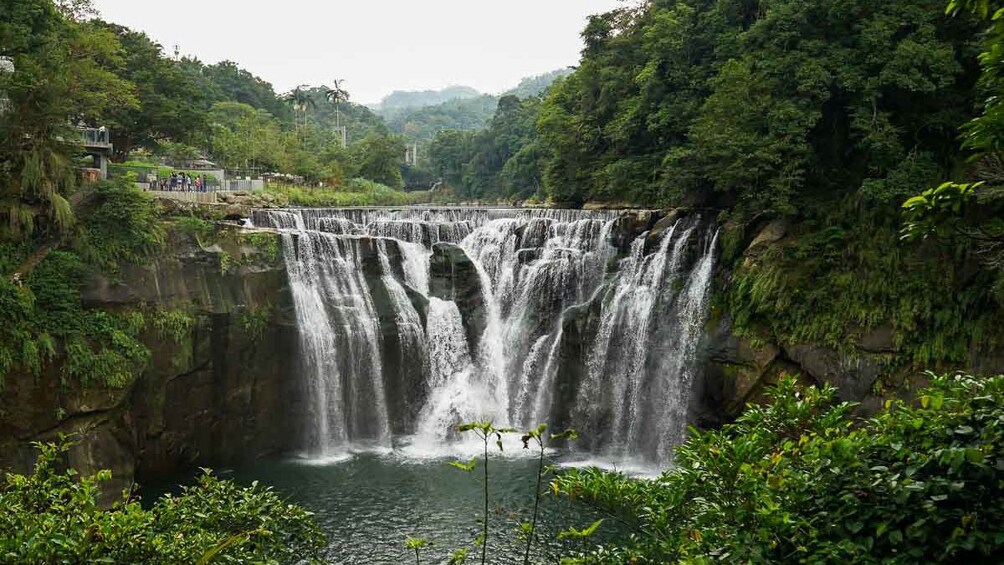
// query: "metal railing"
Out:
[95,137]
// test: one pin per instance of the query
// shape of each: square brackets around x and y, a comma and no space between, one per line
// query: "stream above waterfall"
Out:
[413,320]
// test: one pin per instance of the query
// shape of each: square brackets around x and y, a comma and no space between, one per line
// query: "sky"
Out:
[375,46]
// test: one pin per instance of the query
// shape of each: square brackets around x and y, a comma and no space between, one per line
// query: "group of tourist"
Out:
[179,182]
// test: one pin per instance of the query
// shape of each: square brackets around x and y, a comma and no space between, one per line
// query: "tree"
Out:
[300,101]
[379,159]
[336,95]
[229,82]
[173,98]
[244,136]
[61,74]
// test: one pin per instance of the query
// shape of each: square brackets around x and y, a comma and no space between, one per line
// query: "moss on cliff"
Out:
[48,320]
[846,281]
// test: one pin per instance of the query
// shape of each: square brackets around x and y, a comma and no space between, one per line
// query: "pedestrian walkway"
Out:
[199,197]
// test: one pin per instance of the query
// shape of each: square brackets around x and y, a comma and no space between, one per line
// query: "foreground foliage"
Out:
[53,516]
[798,480]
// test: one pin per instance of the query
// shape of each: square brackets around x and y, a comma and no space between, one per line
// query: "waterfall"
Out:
[412,320]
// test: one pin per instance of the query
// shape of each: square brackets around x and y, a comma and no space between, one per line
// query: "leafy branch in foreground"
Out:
[485,431]
[53,516]
[536,435]
[799,480]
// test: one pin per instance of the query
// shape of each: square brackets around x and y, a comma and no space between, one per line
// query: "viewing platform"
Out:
[97,143]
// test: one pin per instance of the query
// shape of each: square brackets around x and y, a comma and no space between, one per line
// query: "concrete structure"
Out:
[199,197]
[97,143]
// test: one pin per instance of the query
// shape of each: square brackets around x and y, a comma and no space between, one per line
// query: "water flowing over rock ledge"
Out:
[409,319]
[590,318]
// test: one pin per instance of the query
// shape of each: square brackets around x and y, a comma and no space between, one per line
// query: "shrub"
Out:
[356,192]
[123,226]
[45,315]
[53,516]
[798,480]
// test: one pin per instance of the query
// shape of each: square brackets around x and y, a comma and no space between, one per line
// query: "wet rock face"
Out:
[853,374]
[735,373]
[220,395]
[453,276]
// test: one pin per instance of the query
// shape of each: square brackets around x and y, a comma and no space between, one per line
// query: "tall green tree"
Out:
[244,137]
[61,76]
[379,159]
[173,102]
[300,100]
[336,95]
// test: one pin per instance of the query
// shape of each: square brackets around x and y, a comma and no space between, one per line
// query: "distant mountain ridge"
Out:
[420,98]
[534,85]
[421,114]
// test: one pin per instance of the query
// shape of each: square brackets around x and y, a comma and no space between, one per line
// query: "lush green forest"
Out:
[465,110]
[156,105]
[823,116]
[867,134]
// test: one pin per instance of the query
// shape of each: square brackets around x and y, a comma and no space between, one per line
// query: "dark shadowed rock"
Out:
[879,340]
[852,374]
[735,373]
[453,276]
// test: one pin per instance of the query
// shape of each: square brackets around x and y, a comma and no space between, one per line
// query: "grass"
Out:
[356,192]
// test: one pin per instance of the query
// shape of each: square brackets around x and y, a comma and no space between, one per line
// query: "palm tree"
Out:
[299,98]
[335,96]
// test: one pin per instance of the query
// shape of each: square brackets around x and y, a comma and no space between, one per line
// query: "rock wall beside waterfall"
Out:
[868,368]
[595,320]
[221,394]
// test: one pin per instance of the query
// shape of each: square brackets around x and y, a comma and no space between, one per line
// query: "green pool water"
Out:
[368,503]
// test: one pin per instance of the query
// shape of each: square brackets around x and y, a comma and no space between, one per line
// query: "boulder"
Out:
[736,372]
[852,374]
[774,232]
[878,340]
[664,223]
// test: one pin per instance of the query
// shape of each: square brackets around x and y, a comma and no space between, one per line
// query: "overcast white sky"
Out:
[376,46]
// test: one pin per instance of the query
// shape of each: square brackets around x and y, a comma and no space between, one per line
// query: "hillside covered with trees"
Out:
[843,156]
[820,116]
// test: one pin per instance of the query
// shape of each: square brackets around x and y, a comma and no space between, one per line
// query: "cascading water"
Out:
[518,316]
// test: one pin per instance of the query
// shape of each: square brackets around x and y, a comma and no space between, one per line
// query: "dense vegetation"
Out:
[419,116]
[53,516]
[817,118]
[356,192]
[44,317]
[70,69]
[798,481]
[764,106]
[820,116]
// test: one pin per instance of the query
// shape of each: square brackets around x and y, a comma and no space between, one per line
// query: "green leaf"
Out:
[467,467]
